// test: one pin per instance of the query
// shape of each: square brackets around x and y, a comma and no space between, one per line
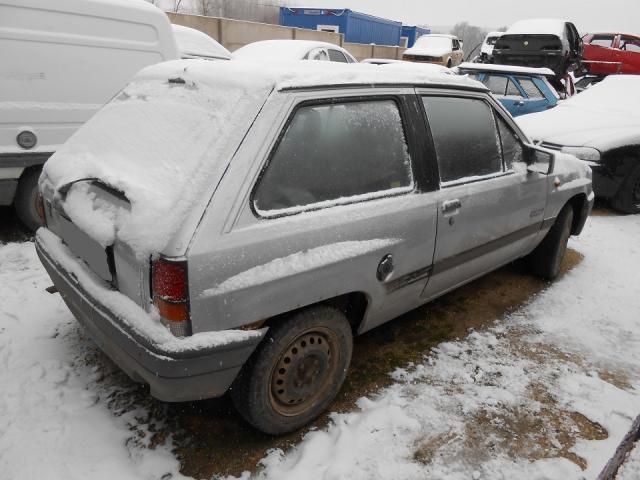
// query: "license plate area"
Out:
[83,246]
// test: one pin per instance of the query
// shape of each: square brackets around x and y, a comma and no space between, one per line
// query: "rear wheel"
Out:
[545,260]
[296,371]
[449,63]
[25,200]
[627,199]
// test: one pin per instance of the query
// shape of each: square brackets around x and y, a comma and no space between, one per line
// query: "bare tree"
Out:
[176,5]
[471,35]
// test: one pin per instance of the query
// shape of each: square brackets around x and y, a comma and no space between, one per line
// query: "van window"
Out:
[465,137]
[337,151]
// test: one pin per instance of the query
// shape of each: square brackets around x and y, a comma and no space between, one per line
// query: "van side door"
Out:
[490,208]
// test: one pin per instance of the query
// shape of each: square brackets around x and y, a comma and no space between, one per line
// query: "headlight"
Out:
[583,153]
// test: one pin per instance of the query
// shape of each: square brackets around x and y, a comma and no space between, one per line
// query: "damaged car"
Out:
[222,226]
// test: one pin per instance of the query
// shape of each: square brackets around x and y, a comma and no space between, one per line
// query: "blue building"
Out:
[355,26]
[412,33]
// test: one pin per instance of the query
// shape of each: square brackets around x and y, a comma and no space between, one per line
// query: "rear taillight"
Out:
[171,294]
[40,209]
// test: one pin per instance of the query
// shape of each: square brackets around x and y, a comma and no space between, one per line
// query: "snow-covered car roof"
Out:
[494,34]
[605,116]
[537,26]
[281,50]
[194,43]
[166,139]
[491,67]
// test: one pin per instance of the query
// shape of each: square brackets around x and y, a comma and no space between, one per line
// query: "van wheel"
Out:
[25,200]
[296,371]
[545,260]
[627,199]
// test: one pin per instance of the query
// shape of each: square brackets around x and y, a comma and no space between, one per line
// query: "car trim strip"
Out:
[473,253]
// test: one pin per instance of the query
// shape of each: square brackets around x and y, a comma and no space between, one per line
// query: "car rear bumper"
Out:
[194,374]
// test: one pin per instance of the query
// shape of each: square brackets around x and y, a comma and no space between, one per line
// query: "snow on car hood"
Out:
[430,46]
[604,116]
[160,143]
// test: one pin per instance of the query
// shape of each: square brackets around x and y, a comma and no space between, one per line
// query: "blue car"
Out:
[521,90]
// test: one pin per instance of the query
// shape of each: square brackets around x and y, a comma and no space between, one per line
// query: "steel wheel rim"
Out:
[304,371]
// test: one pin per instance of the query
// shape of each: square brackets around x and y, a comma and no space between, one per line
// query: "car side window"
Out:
[461,156]
[512,150]
[318,54]
[337,56]
[630,44]
[512,90]
[605,41]
[530,88]
[496,83]
[336,151]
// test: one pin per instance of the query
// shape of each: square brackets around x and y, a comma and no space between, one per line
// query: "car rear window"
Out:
[464,133]
[336,152]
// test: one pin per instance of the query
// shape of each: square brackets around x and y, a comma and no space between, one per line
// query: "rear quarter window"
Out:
[339,152]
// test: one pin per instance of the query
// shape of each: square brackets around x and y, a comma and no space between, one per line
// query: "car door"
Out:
[629,54]
[490,208]
[335,201]
[514,98]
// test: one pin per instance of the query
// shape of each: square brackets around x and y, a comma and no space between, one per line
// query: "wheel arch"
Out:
[580,206]
[353,305]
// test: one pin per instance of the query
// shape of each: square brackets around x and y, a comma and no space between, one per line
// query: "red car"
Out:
[607,53]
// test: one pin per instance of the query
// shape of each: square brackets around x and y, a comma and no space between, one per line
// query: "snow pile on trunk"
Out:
[162,145]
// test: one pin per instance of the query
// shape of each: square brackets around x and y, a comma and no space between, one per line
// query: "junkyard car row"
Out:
[229,226]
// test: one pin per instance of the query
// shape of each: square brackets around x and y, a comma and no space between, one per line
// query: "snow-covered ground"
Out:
[547,393]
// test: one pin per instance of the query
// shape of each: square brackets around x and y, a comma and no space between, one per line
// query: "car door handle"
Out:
[451,206]
[520,103]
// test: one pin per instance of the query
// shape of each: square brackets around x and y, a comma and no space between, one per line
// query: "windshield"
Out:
[491,40]
[428,41]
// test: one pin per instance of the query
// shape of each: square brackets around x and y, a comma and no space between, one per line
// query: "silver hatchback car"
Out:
[226,226]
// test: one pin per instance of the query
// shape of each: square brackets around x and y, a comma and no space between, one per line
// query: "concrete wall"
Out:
[233,34]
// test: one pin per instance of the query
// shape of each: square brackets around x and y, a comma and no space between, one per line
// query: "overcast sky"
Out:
[588,15]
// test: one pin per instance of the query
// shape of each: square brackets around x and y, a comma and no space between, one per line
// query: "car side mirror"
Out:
[539,160]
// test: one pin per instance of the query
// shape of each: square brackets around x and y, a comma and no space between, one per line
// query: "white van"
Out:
[60,61]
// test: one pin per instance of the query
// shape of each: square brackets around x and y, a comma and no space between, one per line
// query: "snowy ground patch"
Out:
[546,393]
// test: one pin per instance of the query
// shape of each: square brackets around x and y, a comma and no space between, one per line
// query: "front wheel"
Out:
[296,372]
[627,199]
[545,260]
[26,197]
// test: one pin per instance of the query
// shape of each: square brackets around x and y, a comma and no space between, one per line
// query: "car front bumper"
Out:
[205,372]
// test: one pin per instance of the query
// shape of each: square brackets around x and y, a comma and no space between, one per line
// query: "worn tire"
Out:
[25,200]
[545,260]
[296,372]
[627,199]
